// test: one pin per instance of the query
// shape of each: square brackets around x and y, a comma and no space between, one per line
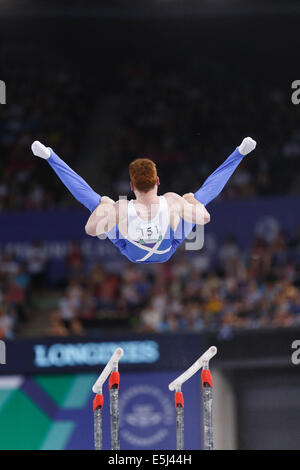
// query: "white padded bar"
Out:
[112,364]
[205,358]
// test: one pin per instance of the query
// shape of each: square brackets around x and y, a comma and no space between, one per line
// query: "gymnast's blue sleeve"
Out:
[214,184]
[75,184]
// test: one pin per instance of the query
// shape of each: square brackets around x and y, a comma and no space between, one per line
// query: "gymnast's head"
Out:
[143,175]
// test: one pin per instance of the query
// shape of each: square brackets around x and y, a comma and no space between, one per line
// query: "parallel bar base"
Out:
[98,429]
[208,418]
[179,427]
[114,418]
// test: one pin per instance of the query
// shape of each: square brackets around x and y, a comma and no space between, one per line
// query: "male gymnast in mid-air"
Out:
[147,229]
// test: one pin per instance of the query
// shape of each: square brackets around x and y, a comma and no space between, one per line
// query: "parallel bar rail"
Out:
[110,366]
[205,358]
[111,370]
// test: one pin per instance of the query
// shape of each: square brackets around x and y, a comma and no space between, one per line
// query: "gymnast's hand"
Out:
[247,146]
[39,150]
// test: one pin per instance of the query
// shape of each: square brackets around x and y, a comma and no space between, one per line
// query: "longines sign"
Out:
[142,353]
[94,354]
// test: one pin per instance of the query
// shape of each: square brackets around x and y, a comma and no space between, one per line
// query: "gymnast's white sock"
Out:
[247,146]
[39,150]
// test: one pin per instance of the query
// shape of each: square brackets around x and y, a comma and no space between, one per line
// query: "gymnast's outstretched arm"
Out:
[75,184]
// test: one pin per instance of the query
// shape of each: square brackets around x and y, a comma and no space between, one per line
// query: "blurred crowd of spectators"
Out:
[187,122]
[17,278]
[254,289]
[43,103]
[216,290]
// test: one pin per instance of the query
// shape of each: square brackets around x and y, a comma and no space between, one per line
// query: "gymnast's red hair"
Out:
[143,174]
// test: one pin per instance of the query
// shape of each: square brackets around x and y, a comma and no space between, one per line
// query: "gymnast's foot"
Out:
[247,146]
[39,150]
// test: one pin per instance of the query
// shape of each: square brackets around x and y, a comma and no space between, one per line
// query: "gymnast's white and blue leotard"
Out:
[146,242]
